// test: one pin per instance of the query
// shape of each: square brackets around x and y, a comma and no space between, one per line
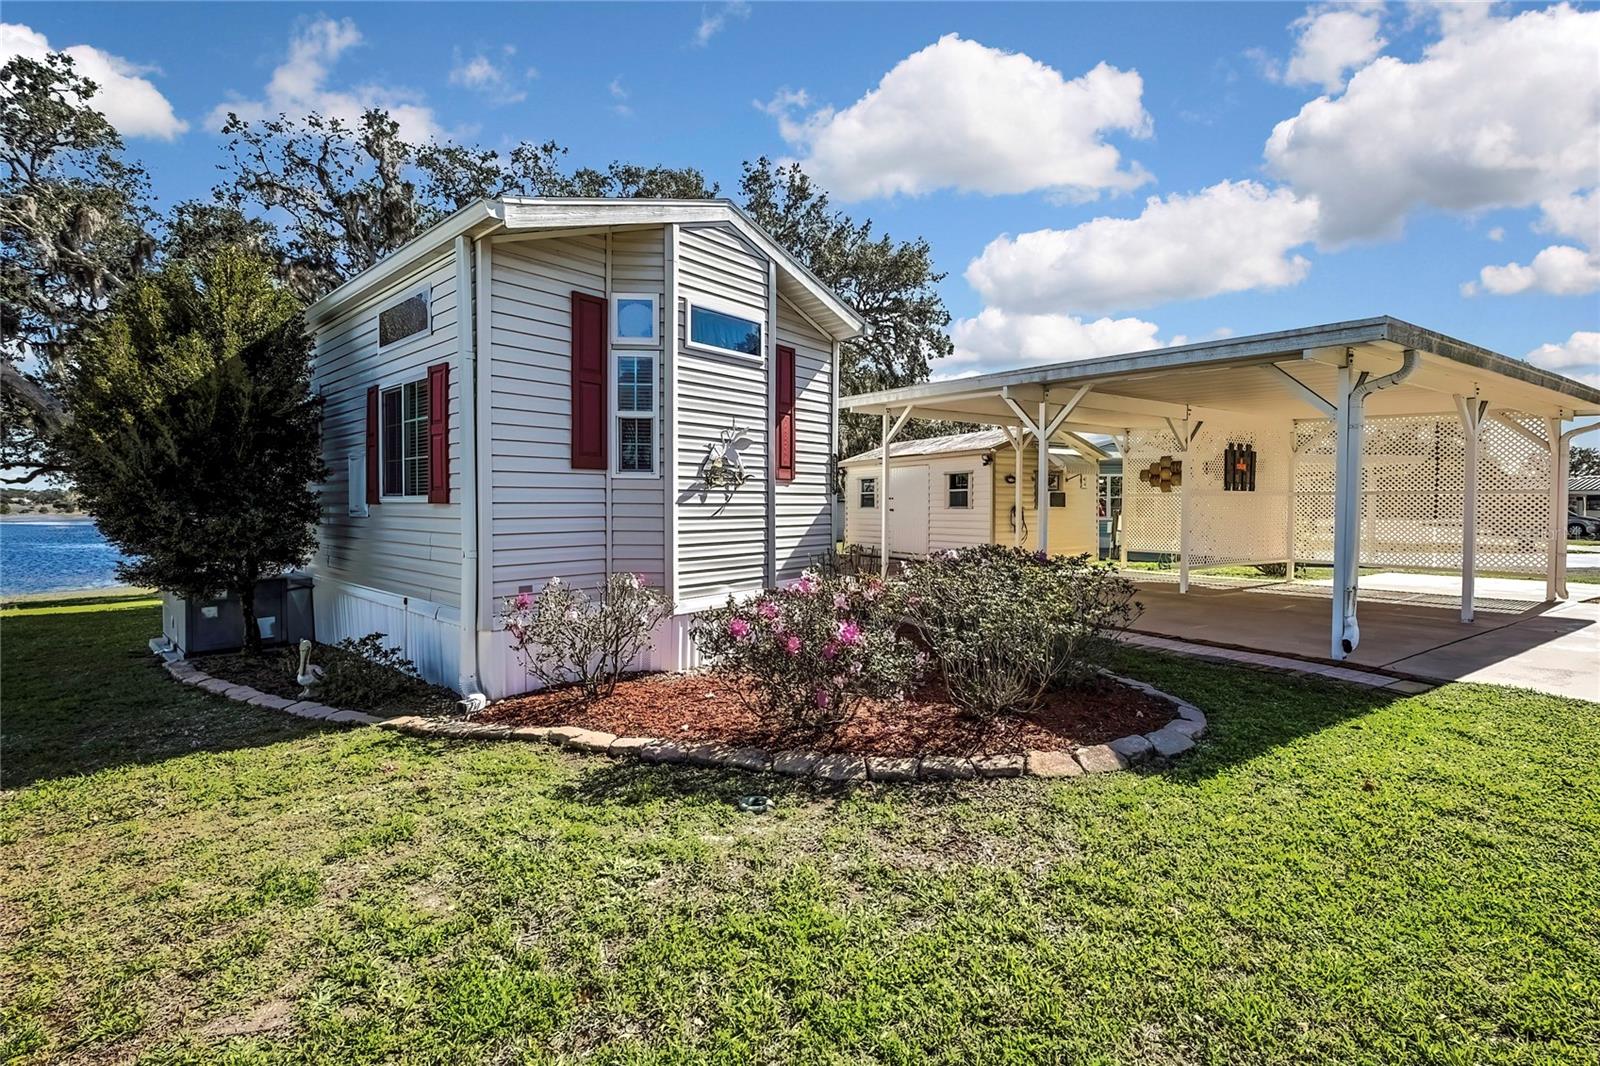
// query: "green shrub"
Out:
[563,635]
[364,672]
[1007,626]
[807,654]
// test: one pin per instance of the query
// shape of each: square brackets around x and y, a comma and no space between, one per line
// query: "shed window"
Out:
[1058,495]
[404,319]
[958,490]
[869,492]
[724,332]
[404,436]
[636,413]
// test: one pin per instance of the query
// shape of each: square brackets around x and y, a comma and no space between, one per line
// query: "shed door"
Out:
[908,510]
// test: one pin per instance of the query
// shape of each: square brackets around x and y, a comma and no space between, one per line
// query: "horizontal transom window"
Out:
[724,331]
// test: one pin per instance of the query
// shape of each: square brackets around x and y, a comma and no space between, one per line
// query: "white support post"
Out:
[1289,507]
[889,432]
[1560,460]
[1183,509]
[1470,409]
[1351,427]
[883,497]
[1556,545]
[1043,440]
[1345,497]
[1020,448]
[1119,526]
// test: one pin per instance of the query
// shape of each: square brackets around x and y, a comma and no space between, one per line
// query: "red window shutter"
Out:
[588,382]
[439,433]
[785,414]
[372,445]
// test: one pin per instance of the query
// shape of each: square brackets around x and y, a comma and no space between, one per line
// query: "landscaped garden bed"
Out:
[706,707]
[358,675]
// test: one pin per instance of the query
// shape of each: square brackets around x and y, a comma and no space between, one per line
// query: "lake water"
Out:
[52,555]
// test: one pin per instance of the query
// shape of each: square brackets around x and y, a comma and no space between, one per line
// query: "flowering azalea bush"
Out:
[1006,626]
[564,635]
[807,653]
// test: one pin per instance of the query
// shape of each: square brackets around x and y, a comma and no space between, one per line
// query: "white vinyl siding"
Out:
[722,536]
[548,520]
[408,548]
[805,504]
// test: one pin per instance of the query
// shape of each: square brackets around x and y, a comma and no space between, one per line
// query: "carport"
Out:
[1364,443]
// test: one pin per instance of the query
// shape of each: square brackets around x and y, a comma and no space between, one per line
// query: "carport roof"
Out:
[1254,375]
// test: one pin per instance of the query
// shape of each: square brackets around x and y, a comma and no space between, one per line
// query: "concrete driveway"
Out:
[1409,625]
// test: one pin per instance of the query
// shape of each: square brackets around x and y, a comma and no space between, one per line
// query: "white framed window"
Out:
[867,495]
[403,441]
[634,318]
[727,329]
[958,490]
[634,412]
[406,316]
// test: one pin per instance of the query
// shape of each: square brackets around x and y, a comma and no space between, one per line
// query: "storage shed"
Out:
[969,488]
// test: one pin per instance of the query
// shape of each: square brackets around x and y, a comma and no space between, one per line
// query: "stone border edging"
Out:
[1171,740]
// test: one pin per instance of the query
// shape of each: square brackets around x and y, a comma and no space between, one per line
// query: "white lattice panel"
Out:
[1412,485]
[1227,526]
[1149,516]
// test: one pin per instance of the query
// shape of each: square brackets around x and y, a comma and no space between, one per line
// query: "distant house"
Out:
[542,388]
[954,491]
[1583,495]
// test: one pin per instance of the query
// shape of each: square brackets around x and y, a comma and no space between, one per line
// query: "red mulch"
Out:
[702,707]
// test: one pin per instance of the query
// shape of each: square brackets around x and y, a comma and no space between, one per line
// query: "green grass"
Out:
[1337,875]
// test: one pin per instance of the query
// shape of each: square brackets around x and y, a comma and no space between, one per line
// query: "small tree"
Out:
[195,440]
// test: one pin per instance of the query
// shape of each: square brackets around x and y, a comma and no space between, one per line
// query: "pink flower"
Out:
[523,601]
[840,601]
[821,697]
[805,586]
[767,609]
[738,628]
[829,650]
[849,633]
[792,645]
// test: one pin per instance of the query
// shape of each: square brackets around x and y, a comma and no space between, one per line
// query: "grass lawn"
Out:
[1336,875]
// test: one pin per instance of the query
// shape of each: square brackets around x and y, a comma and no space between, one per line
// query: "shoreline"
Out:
[75,516]
[22,599]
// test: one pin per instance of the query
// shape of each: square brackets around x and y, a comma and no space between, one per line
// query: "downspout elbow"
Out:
[1410,361]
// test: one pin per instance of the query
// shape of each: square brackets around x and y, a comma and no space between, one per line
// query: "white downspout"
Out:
[1351,429]
[467,680]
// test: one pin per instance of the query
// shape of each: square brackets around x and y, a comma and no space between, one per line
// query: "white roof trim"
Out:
[486,213]
[521,214]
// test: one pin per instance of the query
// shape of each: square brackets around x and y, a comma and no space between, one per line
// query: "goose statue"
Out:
[308,675]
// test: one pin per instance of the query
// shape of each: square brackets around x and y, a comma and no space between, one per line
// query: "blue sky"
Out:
[1416,146]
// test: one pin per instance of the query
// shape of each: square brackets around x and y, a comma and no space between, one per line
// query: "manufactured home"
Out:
[971,488]
[542,388]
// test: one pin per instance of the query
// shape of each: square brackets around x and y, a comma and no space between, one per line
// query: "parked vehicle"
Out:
[1582,526]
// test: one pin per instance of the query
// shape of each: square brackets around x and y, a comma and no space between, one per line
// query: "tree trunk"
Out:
[252,627]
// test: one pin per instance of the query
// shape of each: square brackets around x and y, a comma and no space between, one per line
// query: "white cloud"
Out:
[484,75]
[129,102]
[714,19]
[299,85]
[619,94]
[1577,357]
[1229,237]
[963,116]
[1576,216]
[996,339]
[1497,234]
[1560,270]
[1499,112]
[1331,41]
